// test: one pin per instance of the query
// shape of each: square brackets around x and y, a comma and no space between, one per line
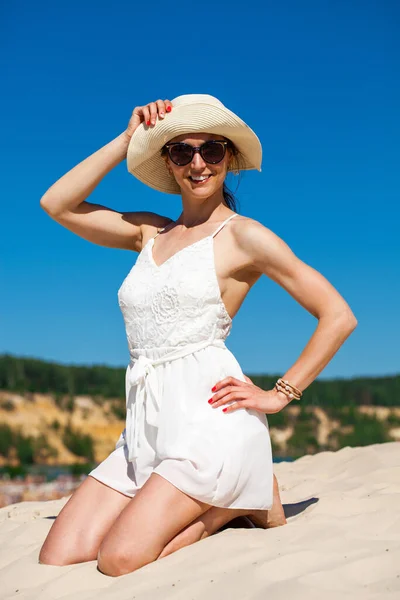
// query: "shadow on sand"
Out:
[291,510]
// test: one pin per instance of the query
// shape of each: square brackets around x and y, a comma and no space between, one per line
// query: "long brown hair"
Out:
[236,162]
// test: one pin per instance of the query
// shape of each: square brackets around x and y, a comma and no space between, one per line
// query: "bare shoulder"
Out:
[246,227]
[151,223]
[258,243]
[269,254]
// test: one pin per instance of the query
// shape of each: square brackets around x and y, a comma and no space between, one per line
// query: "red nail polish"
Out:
[213,389]
[168,109]
[147,122]
[224,409]
[210,400]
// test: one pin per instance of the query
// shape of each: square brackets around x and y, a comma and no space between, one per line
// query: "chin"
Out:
[202,192]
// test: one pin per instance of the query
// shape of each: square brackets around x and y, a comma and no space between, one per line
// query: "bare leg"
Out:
[215,517]
[79,529]
[154,516]
[204,526]
[275,517]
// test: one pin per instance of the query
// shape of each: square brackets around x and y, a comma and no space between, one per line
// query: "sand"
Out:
[342,540]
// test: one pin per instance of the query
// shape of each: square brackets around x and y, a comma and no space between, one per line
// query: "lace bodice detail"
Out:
[176,303]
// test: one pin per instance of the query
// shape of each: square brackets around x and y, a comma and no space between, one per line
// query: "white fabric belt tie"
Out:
[143,375]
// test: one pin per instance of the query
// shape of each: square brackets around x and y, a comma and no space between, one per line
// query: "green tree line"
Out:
[33,375]
[24,375]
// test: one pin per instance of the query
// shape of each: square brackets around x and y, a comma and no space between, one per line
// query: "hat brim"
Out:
[144,160]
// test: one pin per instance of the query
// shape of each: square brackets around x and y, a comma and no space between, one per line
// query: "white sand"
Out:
[342,541]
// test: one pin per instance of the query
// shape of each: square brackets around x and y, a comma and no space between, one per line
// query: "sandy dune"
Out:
[342,541]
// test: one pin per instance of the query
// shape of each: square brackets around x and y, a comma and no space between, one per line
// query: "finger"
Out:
[237,405]
[138,110]
[234,395]
[227,381]
[247,379]
[232,407]
[168,105]
[153,112]
[218,395]
[146,114]
[161,109]
[227,390]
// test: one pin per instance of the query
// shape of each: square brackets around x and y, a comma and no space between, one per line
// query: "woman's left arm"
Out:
[270,255]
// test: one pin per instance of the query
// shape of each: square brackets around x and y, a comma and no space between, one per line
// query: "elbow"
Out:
[344,319]
[354,323]
[349,321]
[47,206]
[44,204]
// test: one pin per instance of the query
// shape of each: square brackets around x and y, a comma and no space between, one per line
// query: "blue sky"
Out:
[318,82]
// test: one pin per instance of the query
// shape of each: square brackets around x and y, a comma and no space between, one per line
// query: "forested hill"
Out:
[58,414]
[24,375]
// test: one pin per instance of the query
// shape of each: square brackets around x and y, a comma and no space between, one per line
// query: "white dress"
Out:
[176,325]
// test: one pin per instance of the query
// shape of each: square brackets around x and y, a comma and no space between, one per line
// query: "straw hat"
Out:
[191,113]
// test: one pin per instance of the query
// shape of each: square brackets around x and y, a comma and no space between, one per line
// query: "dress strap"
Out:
[224,223]
[215,232]
[154,237]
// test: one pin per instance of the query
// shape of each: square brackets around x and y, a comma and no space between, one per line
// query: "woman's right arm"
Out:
[65,201]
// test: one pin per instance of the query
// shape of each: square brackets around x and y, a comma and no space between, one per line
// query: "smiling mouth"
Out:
[200,180]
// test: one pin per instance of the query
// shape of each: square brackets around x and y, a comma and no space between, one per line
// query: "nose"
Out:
[197,161]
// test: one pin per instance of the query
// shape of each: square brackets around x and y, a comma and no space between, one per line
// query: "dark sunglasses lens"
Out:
[213,152]
[181,154]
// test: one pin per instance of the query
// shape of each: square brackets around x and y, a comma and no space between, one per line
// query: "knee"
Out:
[58,557]
[49,558]
[114,564]
[121,561]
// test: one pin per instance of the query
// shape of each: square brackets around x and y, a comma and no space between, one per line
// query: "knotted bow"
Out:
[142,375]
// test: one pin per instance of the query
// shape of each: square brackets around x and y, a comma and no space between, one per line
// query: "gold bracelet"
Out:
[290,395]
[285,381]
[282,385]
[288,390]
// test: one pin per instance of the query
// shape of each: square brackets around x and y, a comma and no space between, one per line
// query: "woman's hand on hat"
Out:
[148,114]
[244,394]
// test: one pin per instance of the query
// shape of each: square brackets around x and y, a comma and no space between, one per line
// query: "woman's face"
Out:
[198,167]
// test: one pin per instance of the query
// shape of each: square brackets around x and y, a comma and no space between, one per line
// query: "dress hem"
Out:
[108,484]
[217,505]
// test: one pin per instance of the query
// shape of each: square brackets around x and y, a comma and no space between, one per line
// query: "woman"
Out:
[196,451]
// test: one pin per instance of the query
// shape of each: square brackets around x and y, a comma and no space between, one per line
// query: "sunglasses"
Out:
[212,151]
